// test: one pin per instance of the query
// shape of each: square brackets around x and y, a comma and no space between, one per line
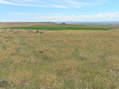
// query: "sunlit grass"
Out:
[65,27]
[59,59]
[52,27]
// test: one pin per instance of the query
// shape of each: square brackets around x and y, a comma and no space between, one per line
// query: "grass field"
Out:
[64,27]
[53,26]
[59,59]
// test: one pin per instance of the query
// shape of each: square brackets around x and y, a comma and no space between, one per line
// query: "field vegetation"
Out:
[54,26]
[86,59]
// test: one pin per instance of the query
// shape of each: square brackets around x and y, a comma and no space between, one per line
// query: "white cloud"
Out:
[6,2]
[31,5]
[78,4]
[74,3]
[54,4]
[93,17]
[111,16]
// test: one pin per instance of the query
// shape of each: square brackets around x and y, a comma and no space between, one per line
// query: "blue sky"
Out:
[59,10]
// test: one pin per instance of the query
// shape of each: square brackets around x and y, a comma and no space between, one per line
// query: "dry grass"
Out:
[22,24]
[60,59]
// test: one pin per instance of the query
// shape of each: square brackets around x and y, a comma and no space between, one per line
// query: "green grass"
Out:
[67,27]
[59,59]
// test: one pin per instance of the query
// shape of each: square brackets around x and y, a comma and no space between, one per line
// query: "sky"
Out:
[59,10]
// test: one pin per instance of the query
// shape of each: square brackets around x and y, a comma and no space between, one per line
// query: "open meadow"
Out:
[75,57]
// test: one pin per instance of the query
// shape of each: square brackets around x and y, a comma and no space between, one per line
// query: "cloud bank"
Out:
[50,4]
[92,17]
[112,16]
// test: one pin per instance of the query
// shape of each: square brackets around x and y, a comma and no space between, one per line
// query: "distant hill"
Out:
[100,23]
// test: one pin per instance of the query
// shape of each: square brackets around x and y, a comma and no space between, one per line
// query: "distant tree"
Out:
[63,23]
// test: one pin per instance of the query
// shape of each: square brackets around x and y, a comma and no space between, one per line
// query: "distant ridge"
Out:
[97,23]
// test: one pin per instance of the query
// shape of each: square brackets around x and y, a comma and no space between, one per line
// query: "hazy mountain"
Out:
[100,23]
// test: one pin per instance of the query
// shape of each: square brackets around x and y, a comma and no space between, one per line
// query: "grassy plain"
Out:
[59,59]
[55,27]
